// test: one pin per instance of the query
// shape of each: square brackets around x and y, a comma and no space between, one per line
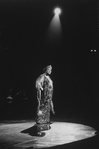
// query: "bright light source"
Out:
[57,11]
[94,50]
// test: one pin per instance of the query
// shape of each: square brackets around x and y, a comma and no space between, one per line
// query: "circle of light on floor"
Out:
[59,134]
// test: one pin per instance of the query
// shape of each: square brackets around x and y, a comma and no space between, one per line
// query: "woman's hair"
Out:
[45,69]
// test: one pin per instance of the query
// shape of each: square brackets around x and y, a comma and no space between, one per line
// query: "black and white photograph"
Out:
[49,74]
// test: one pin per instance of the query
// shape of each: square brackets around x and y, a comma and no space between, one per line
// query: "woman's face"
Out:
[49,70]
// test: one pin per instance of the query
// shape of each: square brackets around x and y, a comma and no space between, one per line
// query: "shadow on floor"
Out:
[34,131]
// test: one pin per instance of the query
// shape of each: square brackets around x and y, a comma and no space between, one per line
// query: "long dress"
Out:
[43,111]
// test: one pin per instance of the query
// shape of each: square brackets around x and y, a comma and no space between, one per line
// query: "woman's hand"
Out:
[41,88]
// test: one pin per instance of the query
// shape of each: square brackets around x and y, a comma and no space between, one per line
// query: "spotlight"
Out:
[57,11]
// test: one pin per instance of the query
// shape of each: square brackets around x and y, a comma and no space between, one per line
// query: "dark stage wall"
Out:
[24,52]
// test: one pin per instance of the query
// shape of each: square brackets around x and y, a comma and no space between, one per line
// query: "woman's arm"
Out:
[39,82]
[52,107]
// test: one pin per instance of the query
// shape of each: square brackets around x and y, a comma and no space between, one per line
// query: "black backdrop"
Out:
[24,52]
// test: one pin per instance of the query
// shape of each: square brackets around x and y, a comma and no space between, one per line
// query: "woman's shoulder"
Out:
[40,77]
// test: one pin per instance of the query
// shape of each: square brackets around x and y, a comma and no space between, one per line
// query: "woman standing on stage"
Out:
[44,86]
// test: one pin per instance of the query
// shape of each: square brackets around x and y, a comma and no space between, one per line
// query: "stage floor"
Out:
[23,135]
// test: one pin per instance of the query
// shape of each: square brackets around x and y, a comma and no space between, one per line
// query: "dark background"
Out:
[24,52]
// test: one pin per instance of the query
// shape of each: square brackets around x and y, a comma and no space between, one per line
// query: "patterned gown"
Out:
[43,112]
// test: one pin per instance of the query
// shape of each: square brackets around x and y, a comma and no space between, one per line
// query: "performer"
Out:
[44,86]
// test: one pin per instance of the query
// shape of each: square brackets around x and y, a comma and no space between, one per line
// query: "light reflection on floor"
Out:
[59,134]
